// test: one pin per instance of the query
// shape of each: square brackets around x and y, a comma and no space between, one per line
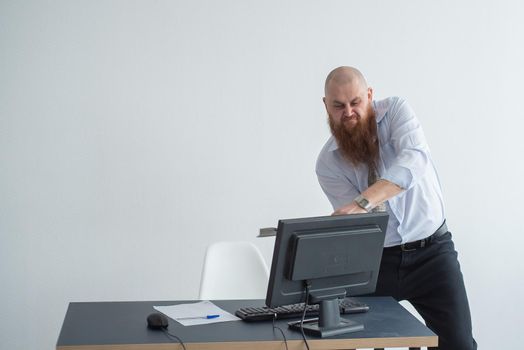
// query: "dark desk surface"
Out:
[118,325]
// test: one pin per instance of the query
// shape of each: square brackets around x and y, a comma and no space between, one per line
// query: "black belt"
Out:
[421,243]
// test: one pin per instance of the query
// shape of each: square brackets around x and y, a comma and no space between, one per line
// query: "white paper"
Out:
[199,309]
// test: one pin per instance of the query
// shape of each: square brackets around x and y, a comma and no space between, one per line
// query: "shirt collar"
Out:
[380,113]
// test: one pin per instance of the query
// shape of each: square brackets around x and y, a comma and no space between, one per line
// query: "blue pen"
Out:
[208,317]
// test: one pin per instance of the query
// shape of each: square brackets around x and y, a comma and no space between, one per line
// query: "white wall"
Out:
[135,133]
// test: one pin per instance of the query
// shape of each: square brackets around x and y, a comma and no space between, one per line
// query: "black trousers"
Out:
[431,280]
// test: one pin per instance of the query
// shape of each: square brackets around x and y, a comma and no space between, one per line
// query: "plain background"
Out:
[135,133]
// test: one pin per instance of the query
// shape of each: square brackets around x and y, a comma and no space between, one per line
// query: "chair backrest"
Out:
[233,270]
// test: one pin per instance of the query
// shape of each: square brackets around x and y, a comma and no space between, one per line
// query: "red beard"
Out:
[360,144]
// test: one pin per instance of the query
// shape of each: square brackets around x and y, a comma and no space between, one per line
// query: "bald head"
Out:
[345,75]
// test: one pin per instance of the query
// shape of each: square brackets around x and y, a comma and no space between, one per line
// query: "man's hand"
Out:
[351,208]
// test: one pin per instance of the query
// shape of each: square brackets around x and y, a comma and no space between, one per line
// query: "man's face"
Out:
[348,104]
[352,122]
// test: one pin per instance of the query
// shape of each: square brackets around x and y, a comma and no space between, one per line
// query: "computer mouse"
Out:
[156,320]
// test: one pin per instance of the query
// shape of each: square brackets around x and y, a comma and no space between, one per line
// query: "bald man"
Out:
[377,159]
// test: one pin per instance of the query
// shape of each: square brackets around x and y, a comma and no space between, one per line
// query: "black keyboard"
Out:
[346,306]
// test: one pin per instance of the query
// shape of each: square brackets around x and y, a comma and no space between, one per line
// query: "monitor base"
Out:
[311,327]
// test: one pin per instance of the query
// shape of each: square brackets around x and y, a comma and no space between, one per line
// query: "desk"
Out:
[122,325]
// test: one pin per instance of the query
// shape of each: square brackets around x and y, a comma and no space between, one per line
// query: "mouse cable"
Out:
[280,329]
[166,332]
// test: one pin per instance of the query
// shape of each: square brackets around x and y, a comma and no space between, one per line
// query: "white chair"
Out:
[233,270]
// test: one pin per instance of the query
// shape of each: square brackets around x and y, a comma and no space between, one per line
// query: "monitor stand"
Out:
[328,323]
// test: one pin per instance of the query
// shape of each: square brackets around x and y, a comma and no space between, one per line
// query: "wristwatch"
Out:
[363,203]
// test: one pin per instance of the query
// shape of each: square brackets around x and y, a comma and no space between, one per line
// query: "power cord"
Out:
[166,332]
[308,285]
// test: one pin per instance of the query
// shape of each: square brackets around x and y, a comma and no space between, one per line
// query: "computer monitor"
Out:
[330,256]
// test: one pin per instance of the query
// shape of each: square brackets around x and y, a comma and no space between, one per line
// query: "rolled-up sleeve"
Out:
[339,190]
[409,143]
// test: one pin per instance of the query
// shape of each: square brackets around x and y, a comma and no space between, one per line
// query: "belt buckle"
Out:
[420,244]
[404,249]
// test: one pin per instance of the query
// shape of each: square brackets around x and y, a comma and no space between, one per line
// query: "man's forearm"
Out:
[381,191]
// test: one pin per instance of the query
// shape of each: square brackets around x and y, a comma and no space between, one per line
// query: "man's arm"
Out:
[338,188]
[379,192]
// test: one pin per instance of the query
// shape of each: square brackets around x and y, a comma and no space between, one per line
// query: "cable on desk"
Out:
[308,284]
[166,332]
[280,329]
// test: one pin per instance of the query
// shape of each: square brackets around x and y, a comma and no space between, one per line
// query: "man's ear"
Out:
[370,94]
[324,100]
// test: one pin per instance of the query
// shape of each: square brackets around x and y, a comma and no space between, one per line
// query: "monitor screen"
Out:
[330,252]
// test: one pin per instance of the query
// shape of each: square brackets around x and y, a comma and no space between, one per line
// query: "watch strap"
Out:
[363,203]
